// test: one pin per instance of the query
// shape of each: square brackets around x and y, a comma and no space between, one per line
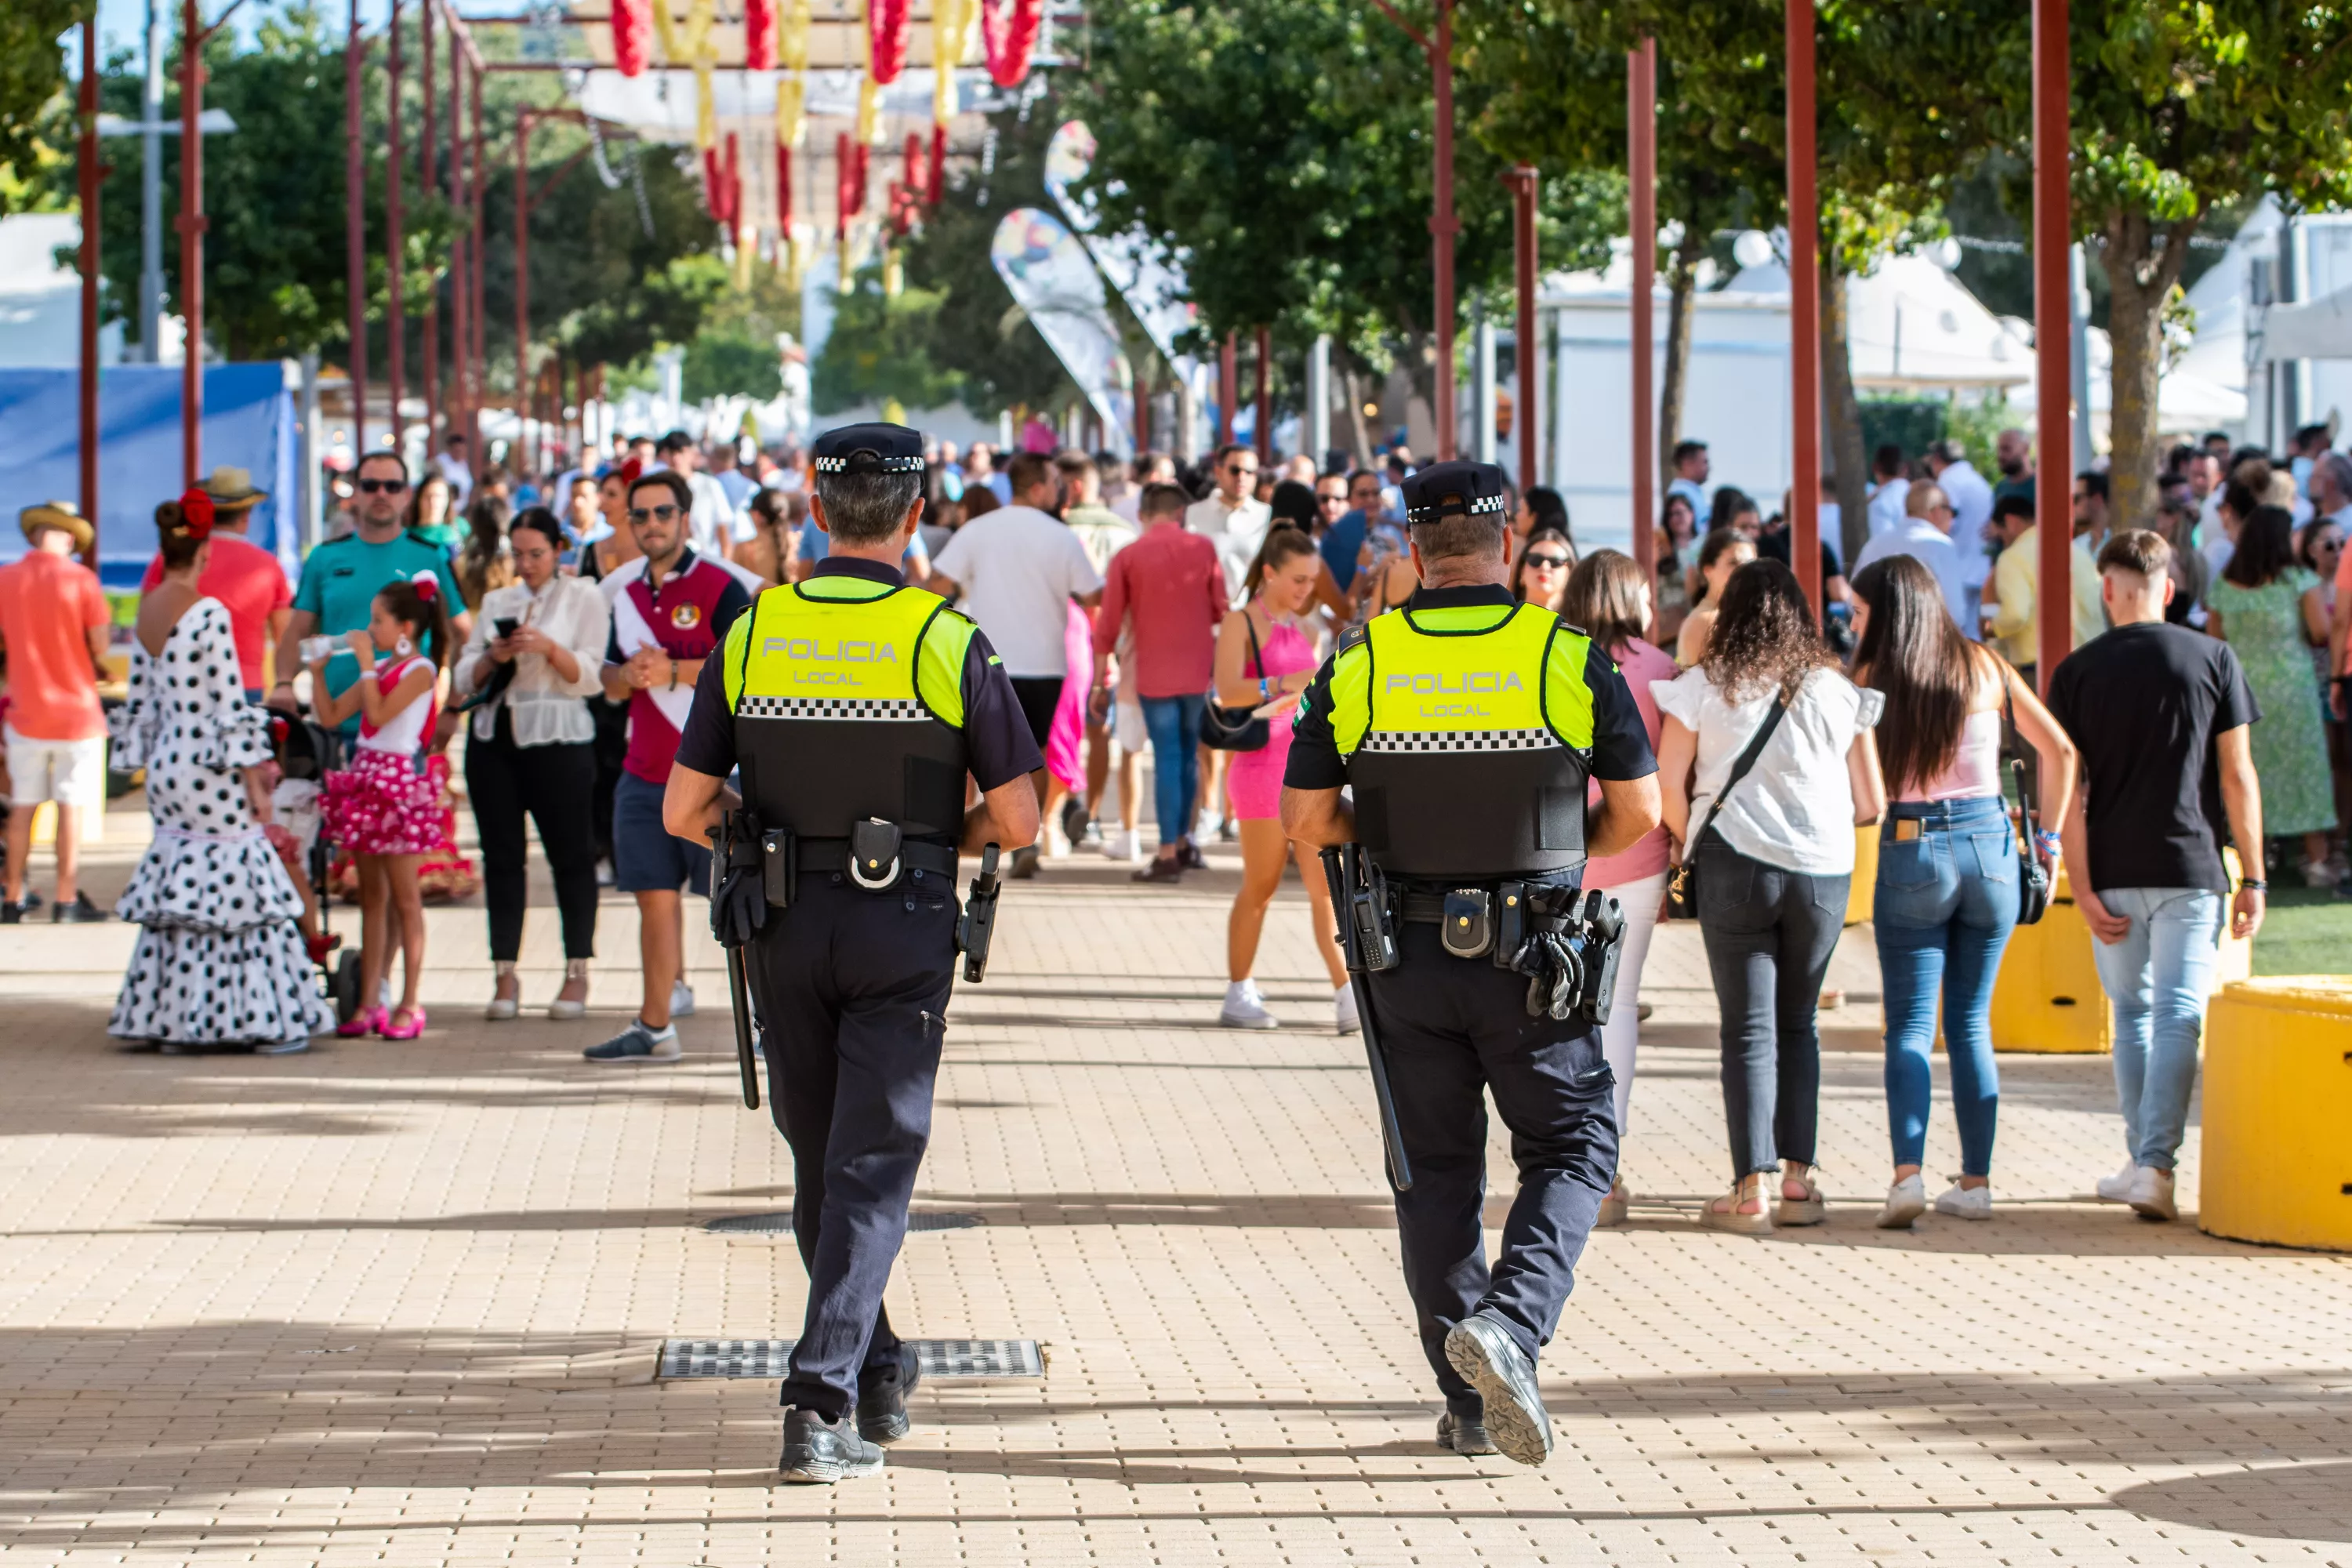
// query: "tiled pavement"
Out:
[398,1303]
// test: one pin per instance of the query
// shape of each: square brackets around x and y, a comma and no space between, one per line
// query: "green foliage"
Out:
[880,348]
[734,352]
[36,130]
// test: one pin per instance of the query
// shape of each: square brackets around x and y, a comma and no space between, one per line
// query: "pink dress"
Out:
[1641,663]
[383,803]
[1255,778]
[1065,743]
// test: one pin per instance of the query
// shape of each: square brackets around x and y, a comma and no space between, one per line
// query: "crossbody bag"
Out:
[1682,886]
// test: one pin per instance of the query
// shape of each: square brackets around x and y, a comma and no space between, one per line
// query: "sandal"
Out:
[408,1031]
[1717,1215]
[322,944]
[366,1021]
[1810,1209]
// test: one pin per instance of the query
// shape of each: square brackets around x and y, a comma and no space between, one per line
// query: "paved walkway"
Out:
[400,1303]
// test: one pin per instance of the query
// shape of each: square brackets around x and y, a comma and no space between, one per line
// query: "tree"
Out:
[32,72]
[880,348]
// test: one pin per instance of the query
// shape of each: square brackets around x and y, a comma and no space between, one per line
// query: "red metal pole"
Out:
[87,154]
[1443,225]
[473,309]
[192,241]
[431,323]
[1263,440]
[1229,389]
[461,342]
[354,231]
[1525,182]
[1642,174]
[523,270]
[2053,511]
[396,318]
[1804,309]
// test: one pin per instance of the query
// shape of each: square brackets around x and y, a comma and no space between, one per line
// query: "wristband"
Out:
[2253,884]
[2043,835]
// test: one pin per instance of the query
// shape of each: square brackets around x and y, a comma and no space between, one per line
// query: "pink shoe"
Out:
[366,1021]
[408,1031]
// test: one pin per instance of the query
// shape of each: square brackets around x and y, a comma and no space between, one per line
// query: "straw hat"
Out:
[58,514]
[232,489]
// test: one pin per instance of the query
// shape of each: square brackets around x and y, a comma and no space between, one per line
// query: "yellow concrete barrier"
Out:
[2277,1163]
[1862,897]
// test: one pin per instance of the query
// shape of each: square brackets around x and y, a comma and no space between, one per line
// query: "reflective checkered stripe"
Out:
[873,710]
[1459,740]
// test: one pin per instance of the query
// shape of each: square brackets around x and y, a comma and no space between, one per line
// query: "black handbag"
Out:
[1236,729]
[2033,877]
[1682,883]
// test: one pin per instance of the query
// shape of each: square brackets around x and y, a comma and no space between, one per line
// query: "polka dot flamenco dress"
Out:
[219,959]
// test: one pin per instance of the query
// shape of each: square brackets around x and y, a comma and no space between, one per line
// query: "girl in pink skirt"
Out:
[384,809]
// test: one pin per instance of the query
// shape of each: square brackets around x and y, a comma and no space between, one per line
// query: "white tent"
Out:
[2186,400]
[1911,327]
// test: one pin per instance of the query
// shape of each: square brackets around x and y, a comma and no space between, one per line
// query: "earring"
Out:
[403,647]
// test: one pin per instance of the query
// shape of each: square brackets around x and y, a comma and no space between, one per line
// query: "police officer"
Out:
[855,706]
[1467,726]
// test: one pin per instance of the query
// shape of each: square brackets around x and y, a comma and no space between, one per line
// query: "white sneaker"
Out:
[1966,1202]
[1245,1009]
[1906,1200]
[681,1000]
[2116,1189]
[1343,1002]
[1125,846]
[2151,1194]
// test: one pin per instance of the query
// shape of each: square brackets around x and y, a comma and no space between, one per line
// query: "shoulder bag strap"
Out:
[1740,769]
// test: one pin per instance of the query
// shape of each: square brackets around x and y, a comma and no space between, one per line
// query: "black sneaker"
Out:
[882,1397]
[1024,862]
[10,914]
[81,912]
[1484,1353]
[818,1452]
[1463,1428]
[1074,819]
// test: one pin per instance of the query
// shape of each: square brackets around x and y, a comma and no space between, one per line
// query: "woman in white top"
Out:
[1949,888]
[536,653]
[1773,866]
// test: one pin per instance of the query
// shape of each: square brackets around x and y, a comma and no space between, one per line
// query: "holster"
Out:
[780,865]
[976,927]
[1367,915]
[738,880]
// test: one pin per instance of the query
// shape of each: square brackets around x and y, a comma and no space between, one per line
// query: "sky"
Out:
[122,24]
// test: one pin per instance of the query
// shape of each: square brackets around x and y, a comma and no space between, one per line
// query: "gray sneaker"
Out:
[637,1044]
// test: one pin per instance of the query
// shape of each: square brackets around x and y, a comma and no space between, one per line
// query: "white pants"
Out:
[1622,1034]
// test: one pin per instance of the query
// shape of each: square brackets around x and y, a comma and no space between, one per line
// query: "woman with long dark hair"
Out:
[481,563]
[1540,575]
[1946,896]
[1773,853]
[2267,607]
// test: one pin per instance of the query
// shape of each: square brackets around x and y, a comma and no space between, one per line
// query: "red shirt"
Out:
[1171,582]
[250,586]
[48,606]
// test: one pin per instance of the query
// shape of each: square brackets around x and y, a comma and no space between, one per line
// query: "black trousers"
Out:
[1453,1028]
[555,785]
[852,988]
[611,747]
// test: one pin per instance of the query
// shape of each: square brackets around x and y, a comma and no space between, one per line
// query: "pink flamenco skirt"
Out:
[382,805]
[1064,742]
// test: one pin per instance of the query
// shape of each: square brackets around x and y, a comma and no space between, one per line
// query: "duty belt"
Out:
[1429,909]
[914,855]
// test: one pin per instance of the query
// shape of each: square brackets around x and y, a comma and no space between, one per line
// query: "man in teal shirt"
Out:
[340,579]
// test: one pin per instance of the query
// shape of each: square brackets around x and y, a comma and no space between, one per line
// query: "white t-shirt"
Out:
[1019,568]
[1795,808]
[1971,500]
[1932,548]
[1237,531]
[1886,504]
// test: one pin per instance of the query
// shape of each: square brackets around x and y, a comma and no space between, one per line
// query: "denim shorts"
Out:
[645,858]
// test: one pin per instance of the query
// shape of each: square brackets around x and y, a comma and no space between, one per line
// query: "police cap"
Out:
[869,449]
[1454,489]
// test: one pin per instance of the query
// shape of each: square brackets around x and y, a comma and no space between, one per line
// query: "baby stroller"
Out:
[307,751]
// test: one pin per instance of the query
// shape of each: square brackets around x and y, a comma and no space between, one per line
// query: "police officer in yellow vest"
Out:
[854,706]
[1467,727]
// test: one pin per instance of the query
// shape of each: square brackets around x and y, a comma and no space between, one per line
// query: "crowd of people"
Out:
[1154,609]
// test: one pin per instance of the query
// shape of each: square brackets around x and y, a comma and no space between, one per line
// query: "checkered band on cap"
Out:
[870,463]
[885,710]
[1474,507]
[1458,740]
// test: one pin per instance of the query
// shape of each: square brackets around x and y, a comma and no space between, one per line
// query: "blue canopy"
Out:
[249,424]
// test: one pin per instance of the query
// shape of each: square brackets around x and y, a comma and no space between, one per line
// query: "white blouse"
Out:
[547,711]
[1795,808]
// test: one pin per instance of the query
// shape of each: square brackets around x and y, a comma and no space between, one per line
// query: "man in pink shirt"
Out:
[246,578]
[1171,583]
[54,626]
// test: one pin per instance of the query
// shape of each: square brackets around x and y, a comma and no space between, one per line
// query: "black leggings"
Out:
[556,785]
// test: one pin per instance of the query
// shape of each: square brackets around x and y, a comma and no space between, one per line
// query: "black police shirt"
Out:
[1621,744]
[997,740]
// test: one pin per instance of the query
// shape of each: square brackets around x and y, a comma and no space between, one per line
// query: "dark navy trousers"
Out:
[852,992]
[1454,1028]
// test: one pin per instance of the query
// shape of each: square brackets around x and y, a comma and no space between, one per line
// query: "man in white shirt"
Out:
[1970,499]
[1889,489]
[452,464]
[1926,535]
[1692,466]
[717,526]
[1017,570]
[1231,516]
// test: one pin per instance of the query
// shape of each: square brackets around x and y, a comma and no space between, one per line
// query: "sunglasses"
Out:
[384,486]
[1543,562]
[1241,468]
[661,513]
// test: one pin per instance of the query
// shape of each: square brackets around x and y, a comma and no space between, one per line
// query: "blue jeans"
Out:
[1946,902]
[2158,979]
[1174,725]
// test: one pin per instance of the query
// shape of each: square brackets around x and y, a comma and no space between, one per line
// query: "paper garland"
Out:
[632,35]
[886,39]
[1008,37]
[758,34]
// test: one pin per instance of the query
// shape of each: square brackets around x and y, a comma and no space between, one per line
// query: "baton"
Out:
[744,1058]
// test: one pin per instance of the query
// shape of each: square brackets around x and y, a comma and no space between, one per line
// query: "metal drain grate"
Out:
[782,1224]
[972,1359]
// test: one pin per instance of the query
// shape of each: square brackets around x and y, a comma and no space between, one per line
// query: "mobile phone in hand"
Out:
[506,624]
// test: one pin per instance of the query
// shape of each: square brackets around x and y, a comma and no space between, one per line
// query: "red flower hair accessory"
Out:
[196,514]
[427,586]
[631,469]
